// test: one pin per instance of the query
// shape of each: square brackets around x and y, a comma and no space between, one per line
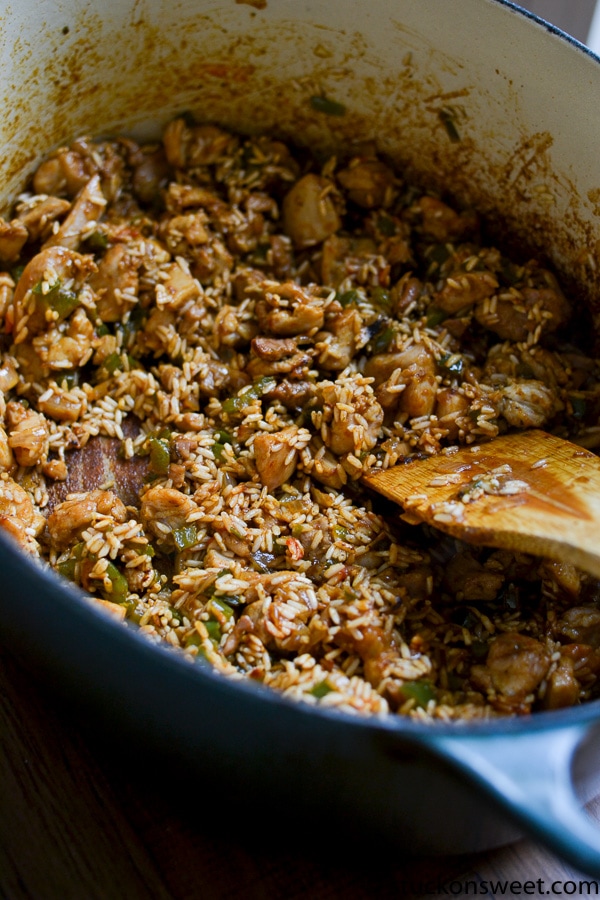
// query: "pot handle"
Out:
[530,775]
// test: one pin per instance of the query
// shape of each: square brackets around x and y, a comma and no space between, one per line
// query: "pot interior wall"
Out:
[486,120]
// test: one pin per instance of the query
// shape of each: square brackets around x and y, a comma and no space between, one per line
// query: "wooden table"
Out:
[79,821]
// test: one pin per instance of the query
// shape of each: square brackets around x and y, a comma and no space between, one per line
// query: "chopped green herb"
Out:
[479,649]
[382,341]
[327,106]
[176,614]
[435,316]
[248,394]
[214,630]
[419,691]
[60,300]
[192,639]
[321,689]
[185,537]
[447,120]
[114,362]
[578,406]
[68,568]
[452,362]
[381,297]
[119,587]
[437,254]
[68,380]
[146,550]
[347,298]
[160,455]
[386,225]
[219,607]
[98,240]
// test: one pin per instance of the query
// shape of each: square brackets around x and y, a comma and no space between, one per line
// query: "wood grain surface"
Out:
[82,821]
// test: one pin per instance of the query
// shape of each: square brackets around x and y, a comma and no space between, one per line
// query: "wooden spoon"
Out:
[530,492]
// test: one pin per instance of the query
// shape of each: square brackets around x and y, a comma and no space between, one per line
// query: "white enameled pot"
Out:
[523,148]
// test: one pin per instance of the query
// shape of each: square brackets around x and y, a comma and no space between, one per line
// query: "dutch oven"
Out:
[523,150]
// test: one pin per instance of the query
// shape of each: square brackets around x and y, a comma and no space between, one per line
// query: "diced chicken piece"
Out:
[104,347]
[352,417]
[288,309]
[280,621]
[18,515]
[149,175]
[581,624]
[198,145]
[27,434]
[7,289]
[528,403]
[294,395]
[63,406]
[243,626]
[563,688]
[159,330]
[450,405]
[309,211]
[60,351]
[56,469]
[30,365]
[115,283]
[440,222]
[516,664]
[368,182]
[406,380]
[564,575]
[276,455]
[70,518]
[177,289]
[405,294]
[337,345]
[374,646]
[164,510]
[470,582]
[87,209]
[247,283]
[462,290]
[66,172]
[49,177]
[382,365]
[518,314]
[13,237]
[345,257]
[38,215]
[273,356]
[323,465]
[182,234]
[47,268]
[235,327]
[274,349]
[6,455]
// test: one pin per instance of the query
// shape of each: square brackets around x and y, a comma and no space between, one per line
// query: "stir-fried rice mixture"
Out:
[207,342]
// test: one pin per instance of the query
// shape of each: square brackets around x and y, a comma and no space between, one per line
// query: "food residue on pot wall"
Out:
[255,72]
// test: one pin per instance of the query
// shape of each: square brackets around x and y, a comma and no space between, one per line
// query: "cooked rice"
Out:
[253,331]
